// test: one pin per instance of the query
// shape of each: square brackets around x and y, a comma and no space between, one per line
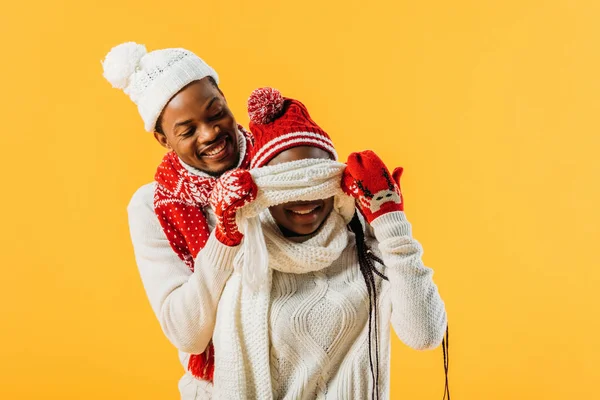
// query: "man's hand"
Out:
[233,190]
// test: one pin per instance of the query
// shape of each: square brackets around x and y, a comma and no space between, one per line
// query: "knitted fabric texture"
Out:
[152,79]
[242,366]
[369,181]
[318,321]
[233,190]
[179,199]
[280,123]
[301,180]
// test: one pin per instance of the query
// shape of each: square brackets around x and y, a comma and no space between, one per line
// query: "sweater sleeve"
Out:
[418,312]
[185,303]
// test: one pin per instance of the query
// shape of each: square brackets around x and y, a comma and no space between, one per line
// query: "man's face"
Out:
[200,128]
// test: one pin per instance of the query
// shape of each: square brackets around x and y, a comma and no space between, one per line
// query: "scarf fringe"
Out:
[202,366]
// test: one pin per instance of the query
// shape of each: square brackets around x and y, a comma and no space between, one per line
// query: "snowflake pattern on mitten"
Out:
[232,191]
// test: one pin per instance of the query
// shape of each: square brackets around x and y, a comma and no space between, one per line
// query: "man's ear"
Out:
[162,139]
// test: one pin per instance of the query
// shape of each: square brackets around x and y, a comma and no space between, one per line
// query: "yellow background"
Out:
[491,106]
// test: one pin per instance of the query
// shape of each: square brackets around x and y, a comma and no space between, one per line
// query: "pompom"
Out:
[121,62]
[264,105]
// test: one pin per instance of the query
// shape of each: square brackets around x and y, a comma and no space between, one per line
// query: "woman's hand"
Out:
[367,179]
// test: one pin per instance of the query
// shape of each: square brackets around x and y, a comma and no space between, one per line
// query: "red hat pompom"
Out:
[265,105]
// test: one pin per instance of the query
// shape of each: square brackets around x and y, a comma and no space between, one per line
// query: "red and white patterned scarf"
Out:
[179,199]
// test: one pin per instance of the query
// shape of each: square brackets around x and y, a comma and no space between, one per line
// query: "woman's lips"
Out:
[304,212]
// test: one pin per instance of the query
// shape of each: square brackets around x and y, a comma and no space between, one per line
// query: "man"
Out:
[179,100]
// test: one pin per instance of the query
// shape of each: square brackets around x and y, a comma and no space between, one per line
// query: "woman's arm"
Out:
[418,312]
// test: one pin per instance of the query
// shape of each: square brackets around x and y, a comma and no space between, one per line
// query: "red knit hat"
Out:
[278,124]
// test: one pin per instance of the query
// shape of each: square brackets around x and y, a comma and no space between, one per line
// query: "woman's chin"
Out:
[301,230]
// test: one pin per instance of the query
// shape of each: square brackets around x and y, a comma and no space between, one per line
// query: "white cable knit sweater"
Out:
[318,321]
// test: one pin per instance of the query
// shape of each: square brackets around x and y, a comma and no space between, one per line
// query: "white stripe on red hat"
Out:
[292,138]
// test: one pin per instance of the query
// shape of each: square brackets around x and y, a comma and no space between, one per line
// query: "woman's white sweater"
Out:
[318,322]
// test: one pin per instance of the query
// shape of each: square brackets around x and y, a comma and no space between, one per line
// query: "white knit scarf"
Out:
[242,361]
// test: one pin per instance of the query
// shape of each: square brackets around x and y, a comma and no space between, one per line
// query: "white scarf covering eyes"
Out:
[302,180]
[241,339]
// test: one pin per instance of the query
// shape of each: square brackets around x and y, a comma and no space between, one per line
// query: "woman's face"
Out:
[300,218]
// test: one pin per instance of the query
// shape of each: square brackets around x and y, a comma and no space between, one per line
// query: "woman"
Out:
[306,313]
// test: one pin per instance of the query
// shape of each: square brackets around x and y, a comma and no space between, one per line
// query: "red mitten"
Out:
[233,190]
[367,179]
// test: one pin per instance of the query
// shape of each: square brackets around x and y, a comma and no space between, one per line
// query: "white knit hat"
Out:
[152,79]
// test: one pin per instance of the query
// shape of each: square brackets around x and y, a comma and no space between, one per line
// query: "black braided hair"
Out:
[366,261]
[445,350]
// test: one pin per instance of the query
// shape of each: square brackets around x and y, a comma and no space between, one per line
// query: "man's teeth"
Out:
[217,150]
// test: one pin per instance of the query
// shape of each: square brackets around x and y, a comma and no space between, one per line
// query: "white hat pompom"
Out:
[122,62]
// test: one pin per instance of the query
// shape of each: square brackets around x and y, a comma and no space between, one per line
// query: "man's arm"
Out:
[185,303]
